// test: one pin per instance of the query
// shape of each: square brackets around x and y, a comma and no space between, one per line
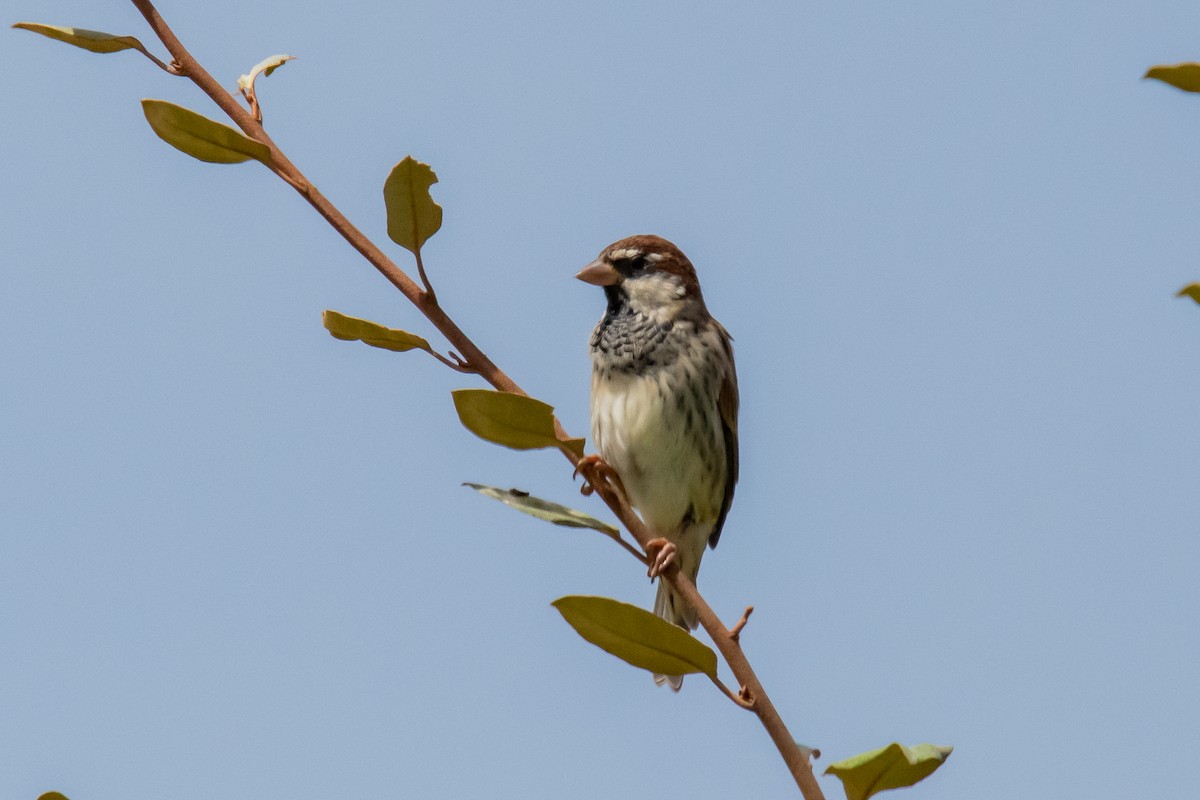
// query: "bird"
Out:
[664,406]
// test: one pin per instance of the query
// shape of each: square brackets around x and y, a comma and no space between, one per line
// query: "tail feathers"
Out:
[671,607]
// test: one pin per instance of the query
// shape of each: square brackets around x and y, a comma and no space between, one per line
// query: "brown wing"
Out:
[727,403]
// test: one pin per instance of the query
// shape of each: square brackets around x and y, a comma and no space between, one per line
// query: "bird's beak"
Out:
[599,273]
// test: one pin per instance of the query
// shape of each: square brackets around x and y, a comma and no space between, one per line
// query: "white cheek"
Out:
[658,297]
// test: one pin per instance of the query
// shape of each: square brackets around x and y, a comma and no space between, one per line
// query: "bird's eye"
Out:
[629,262]
[632,264]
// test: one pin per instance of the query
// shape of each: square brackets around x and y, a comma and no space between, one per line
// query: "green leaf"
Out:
[412,216]
[264,67]
[200,137]
[636,636]
[95,41]
[1192,290]
[1185,76]
[891,767]
[53,796]
[353,329]
[543,509]
[512,420]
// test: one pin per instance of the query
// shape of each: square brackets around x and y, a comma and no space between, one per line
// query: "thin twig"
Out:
[735,632]
[424,299]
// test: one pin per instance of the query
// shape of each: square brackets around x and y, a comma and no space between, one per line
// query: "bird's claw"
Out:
[597,473]
[662,555]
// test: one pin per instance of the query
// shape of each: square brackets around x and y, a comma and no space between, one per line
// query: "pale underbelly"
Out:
[672,468]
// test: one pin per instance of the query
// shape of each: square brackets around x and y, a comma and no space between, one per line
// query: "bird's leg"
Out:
[596,473]
[662,555]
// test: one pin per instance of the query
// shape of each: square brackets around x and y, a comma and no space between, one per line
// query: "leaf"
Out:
[512,420]
[353,329]
[636,636]
[412,216]
[544,509]
[891,767]
[1192,290]
[53,796]
[200,137]
[264,68]
[1185,76]
[95,41]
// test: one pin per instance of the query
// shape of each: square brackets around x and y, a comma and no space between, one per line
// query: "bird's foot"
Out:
[662,555]
[597,474]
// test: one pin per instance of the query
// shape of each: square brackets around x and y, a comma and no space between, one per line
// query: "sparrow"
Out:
[664,405]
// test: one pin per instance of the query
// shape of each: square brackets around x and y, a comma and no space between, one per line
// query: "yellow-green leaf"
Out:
[1192,290]
[512,420]
[53,796]
[636,636]
[95,41]
[1185,76]
[890,767]
[543,509]
[200,137]
[264,67]
[353,329]
[412,216]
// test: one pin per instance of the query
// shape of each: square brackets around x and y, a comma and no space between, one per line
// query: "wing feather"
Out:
[727,404]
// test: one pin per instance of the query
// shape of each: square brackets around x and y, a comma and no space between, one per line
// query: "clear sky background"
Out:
[236,560]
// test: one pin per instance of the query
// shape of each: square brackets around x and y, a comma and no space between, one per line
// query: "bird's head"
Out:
[647,273]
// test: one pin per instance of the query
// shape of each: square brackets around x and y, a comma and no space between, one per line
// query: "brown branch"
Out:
[752,693]
[285,169]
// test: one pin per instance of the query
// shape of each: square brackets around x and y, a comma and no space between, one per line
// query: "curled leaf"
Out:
[543,509]
[264,68]
[412,216]
[636,636]
[93,41]
[1192,290]
[512,420]
[353,329]
[200,137]
[1185,76]
[891,767]
[809,752]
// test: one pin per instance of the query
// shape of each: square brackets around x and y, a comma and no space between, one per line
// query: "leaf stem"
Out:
[736,698]
[457,366]
[170,69]
[429,293]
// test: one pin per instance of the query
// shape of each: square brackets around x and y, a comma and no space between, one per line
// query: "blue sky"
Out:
[236,559]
